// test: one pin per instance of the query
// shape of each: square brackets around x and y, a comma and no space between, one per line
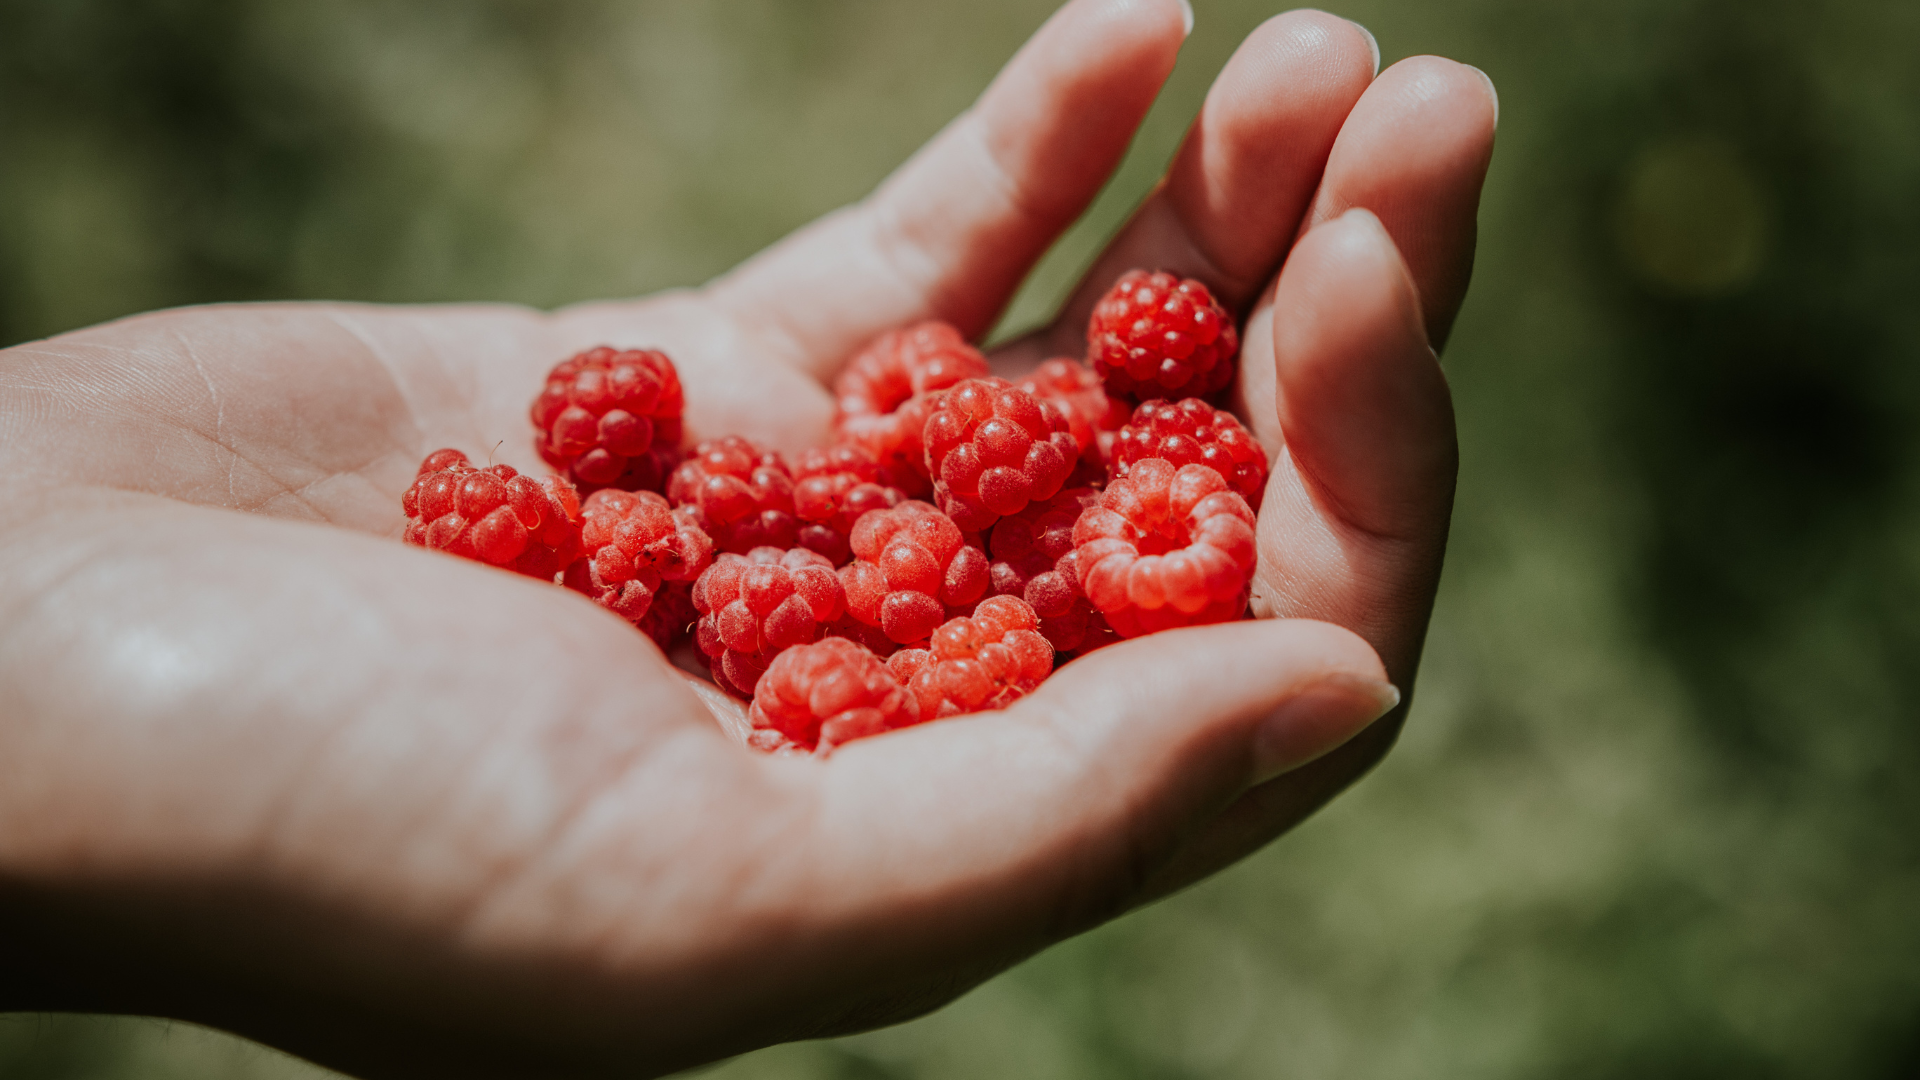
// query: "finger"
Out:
[1354,520]
[1415,152]
[1234,197]
[952,233]
[1018,827]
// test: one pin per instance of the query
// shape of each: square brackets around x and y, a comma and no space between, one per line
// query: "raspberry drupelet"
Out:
[755,605]
[1166,547]
[882,397]
[911,567]
[816,697]
[1033,558]
[631,542]
[993,448]
[1156,335]
[493,515]
[1192,432]
[741,494]
[984,661]
[832,487]
[611,418]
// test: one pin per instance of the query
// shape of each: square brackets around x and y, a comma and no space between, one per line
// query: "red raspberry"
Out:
[631,541]
[753,606]
[1033,558]
[882,396]
[831,489]
[1091,412]
[611,418]
[493,515]
[1192,432]
[986,661]
[1166,547]
[743,495]
[1155,335]
[993,449]
[823,695]
[911,565]
[670,618]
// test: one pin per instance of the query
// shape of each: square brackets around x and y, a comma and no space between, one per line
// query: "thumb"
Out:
[1008,830]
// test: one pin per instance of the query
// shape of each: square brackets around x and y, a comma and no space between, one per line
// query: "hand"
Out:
[273,771]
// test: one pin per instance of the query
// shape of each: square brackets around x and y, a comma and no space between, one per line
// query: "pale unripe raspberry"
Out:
[974,663]
[742,495]
[611,418]
[911,566]
[493,515]
[1156,335]
[819,696]
[994,448]
[1166,547]
[754,606]
[882,397]
[1192,432]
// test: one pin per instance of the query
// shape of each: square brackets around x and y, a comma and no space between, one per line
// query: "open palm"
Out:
[264,767]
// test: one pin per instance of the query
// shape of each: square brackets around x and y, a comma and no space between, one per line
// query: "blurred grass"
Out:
[1654,814]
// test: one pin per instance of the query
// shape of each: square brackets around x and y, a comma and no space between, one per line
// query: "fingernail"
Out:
[1372,44]
[1492,92]
[1317,721]
[1186,13]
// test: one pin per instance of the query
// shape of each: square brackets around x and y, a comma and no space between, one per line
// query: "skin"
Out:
[264,767]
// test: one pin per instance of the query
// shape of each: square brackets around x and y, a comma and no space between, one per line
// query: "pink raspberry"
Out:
[611,418]
[753,606]
[1155,335]
[1166,547]
[986,661]
[993,449]
[882,397]
[817,697]
[1033,558]
[742,494]
[493,515]
[632,541]
[911,565]
[832,487]
[1192,432]
[1091,412]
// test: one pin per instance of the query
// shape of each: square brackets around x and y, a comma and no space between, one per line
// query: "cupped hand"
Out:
[264,767]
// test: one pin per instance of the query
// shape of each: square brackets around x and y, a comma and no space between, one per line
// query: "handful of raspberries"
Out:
[961,537]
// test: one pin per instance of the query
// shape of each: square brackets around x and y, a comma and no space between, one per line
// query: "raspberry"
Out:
[1033,558]
[631,541]
[986,661]
[611,418]
[882,396]
[753,606]
[1166,547]
[493,515]
[1155,335]
[831,489]
[1192,432]
[1090,410]
[670,618]
[823,695]
[993,449]
[742,495]
[911,565]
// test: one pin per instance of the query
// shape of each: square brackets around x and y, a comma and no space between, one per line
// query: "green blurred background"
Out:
[1654,815]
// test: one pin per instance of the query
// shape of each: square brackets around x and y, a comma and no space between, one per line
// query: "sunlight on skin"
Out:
[411,816]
